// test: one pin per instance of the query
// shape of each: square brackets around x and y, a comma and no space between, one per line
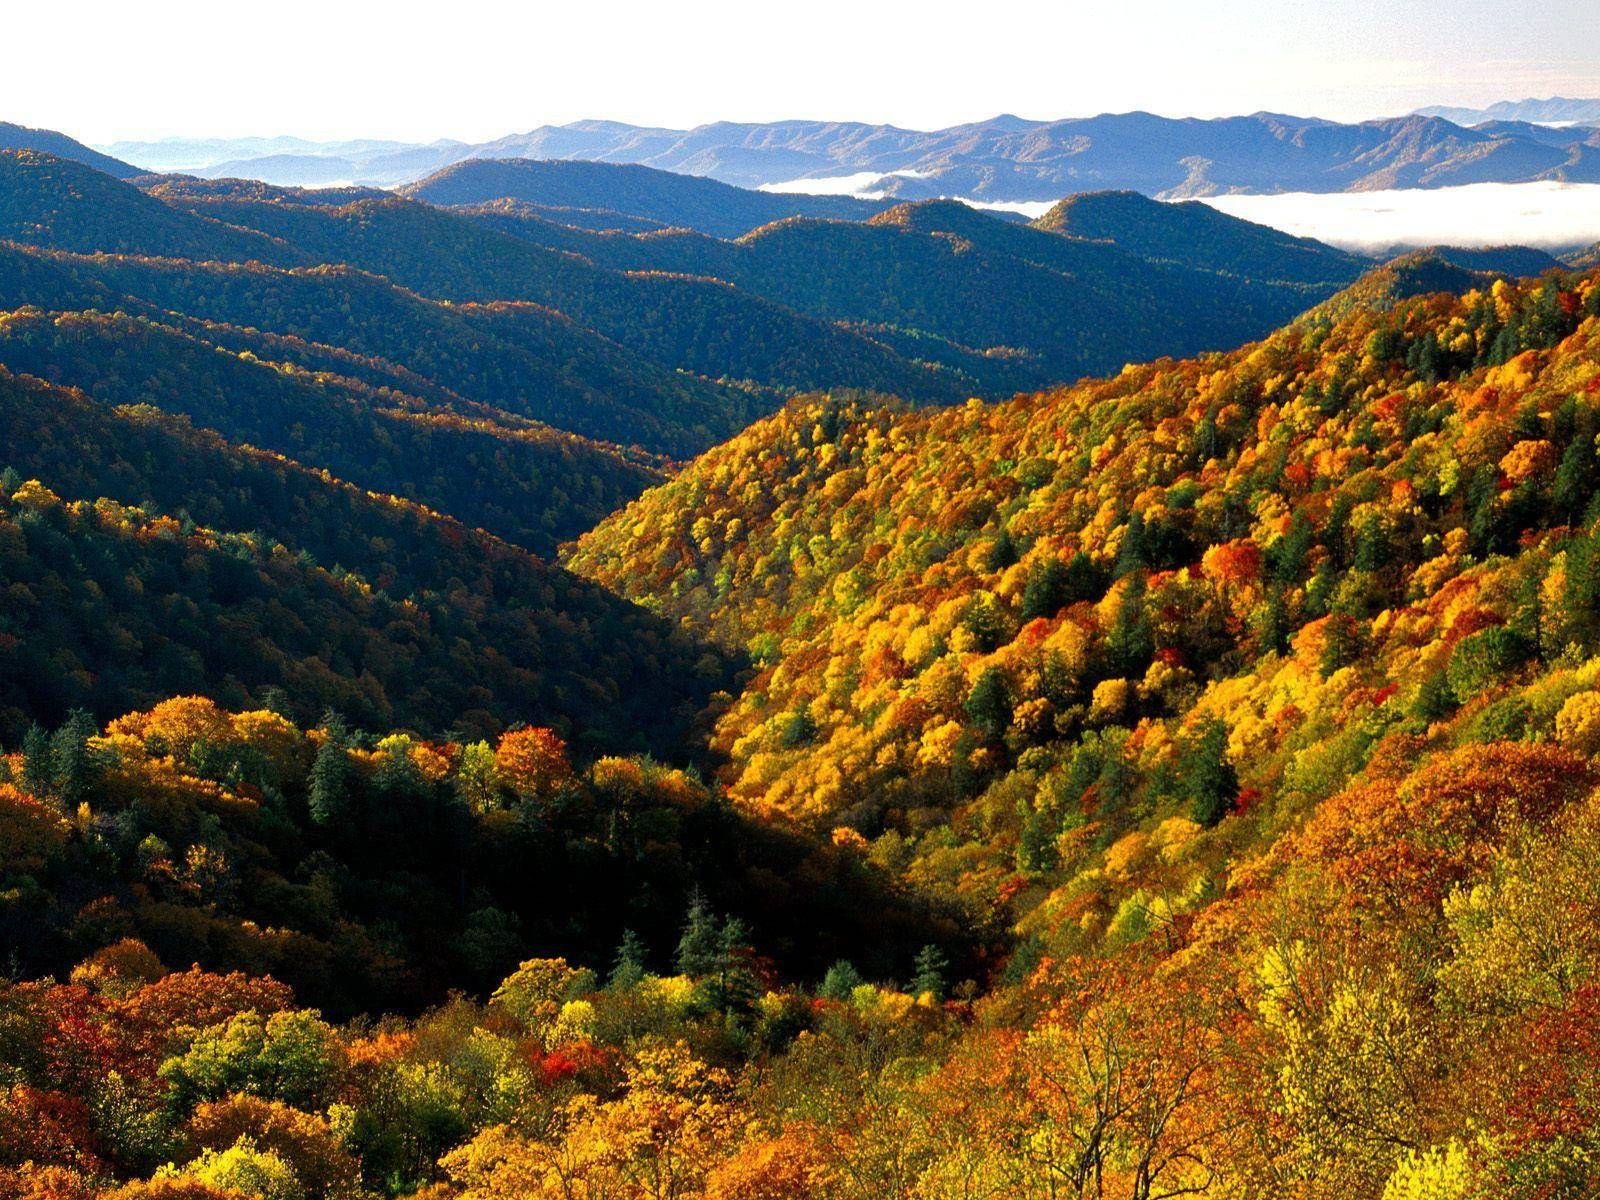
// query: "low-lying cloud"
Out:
[1550,216]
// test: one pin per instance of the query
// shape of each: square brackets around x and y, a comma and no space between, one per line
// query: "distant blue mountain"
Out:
[1004,160]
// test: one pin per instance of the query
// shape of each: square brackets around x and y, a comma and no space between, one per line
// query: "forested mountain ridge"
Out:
[1181,782]
[672,200]
[1199,236]
[519,479]
[48,141]
[1258,686]
[144,558]
[678,332]
[1257,692]
[1056,304]
[519,358]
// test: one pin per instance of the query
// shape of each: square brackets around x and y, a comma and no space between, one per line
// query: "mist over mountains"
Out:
[1006,159]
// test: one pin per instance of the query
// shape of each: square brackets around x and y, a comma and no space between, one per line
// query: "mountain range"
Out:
[1556,110]
[1002,160]
[671,339]
[574,682]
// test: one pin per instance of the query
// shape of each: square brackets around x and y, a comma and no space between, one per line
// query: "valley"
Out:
[579,677]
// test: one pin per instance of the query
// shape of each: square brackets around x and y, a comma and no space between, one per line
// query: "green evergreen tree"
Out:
[1130,644]
[74,767]
[1131,554]
[840,982]
[697,948]
[1048,590]
[1086,579]
[989,705]
[1208,777]
[1004,552]
[734,985]
[929,972]
[628,968]
[330,782]
[38,762]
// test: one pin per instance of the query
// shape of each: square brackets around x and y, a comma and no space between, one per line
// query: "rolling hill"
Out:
[59,145]
[159,560]
[1224,730]
[1057,305]
[521,359]
[617,339]
[672,200]
[523,481]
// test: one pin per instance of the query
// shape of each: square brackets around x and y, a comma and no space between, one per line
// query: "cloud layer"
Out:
[1547,215]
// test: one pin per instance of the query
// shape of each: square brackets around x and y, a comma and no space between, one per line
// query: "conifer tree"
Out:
[329,798]
[628,968]
[73,765]
[928,977]
[841,980]
[697,948]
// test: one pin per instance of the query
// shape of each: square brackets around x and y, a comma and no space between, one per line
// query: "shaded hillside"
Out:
[522,359]
[526,482]
[1199,236]
[432,864]
[1515,262]
[1053,307]
[625,340]
[48,141]
[233,572]
[678,201]
[691,324]
[54,202]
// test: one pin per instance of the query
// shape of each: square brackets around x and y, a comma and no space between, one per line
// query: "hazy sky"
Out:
[476,69]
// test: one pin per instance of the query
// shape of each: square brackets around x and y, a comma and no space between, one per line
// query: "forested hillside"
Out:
[1056,303]
[671,200]
[427,770]
[142,558]
[1258,688]
[522,480]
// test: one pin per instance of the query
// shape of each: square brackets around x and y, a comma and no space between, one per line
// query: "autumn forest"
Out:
[570,682]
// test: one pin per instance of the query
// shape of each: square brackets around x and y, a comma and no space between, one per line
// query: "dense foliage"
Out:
[1054,304]
[1183,783]
[160,560]
[520,479]
[517,358]
[371,873]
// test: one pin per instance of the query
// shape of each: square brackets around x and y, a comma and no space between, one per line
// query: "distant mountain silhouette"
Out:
[1003,160]
[1555,110]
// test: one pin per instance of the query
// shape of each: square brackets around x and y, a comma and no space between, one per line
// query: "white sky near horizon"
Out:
[479,69]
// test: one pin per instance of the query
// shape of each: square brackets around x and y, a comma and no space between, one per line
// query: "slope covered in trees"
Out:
[1259,691]
[1234,680]
[1201,236]
[372,872]
[679,201]
[659,330]
[524,481]
[1055,304]
[58,203]
[518,358]
[141,559]
[48,141]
